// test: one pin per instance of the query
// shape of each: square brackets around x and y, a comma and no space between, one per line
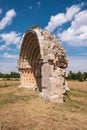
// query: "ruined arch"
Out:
[42,63]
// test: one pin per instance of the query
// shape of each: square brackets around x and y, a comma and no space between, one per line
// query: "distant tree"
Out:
[14,75]
[85,75]
[77,76]
[6,76]
[1,75]
[71,76]
[11,75]
[80,76]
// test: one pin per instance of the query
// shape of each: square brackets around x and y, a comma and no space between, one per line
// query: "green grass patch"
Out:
[73,100]
[13,98]
[78,93]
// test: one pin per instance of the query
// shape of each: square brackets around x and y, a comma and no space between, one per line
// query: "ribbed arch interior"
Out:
[30,50]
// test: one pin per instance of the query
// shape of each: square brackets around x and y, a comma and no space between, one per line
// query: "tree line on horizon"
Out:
[10,75]
[80,76]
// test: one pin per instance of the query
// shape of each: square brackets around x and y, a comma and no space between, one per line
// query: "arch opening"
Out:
[29,62]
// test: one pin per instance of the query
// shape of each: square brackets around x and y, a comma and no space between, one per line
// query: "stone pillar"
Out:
[53,82]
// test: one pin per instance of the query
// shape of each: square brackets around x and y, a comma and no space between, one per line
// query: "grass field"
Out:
[21,109]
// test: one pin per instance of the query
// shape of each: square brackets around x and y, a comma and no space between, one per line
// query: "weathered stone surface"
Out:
[42,63]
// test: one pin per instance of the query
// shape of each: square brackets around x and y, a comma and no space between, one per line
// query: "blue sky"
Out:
[66,19]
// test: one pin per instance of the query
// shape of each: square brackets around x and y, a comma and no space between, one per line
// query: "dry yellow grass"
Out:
[21,109]
[78,85]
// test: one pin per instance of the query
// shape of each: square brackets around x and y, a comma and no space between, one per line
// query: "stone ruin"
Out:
[42,65]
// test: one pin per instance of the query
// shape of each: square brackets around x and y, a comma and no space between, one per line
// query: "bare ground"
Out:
[21,109]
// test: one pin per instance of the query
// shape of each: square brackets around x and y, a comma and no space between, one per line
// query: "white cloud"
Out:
[2,47]
[7,19]
[8,63]
[76,34]
[11,38]
[38,3]
[7,67]
[55,21]
[73,10]
[30,7]
[62,18]
[83,54]
[7,55]
[0,10]
[80,19]
[78,63]
[19,44]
